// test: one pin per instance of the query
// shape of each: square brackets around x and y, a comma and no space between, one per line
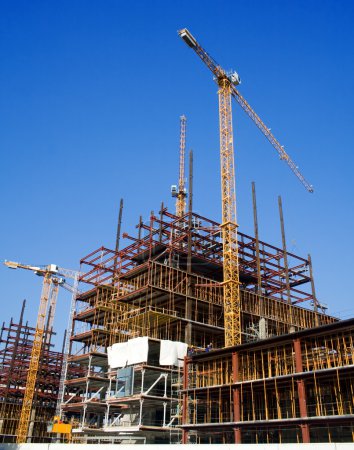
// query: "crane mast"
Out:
[34,361]
[226,83]
[181,196]
[231,284]
[180,191]
[51,282]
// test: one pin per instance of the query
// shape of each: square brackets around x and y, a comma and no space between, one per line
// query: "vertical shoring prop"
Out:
[285,254]
[231,288]
[188,329]
[119,225]
[190,213]
[255,221]
[313,290]
[286,265]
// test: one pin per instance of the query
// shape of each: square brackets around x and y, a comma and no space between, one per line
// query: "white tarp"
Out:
[172,353]
[137,350]
[182,349]
[168,353]
[118,355]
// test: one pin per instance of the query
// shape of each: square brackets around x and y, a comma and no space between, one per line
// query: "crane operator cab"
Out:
[235,78]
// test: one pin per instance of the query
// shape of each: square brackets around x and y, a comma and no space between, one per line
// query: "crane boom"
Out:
[269,135]
[218,72]
[203,55]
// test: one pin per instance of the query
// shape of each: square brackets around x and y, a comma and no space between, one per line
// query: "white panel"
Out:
[137,351]
[118,355]
[182,349]
[168,353]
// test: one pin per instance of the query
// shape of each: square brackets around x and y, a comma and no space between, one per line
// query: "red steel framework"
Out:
[166,284]
[168,234]
[16,341]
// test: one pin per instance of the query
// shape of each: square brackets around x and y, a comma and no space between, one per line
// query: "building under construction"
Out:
[16,342]
[167,286]
[195,332]
[293,388]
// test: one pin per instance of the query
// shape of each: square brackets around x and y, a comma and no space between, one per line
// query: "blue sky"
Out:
[91,94]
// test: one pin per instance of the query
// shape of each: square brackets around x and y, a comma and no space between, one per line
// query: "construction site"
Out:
[187,332]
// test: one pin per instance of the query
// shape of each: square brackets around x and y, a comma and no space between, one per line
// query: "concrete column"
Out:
[31,425]
[305,429]
[236,398]
[141,411]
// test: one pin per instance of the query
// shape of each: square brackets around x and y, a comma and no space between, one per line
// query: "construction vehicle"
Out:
[227,83]
[53,277]
[180,191]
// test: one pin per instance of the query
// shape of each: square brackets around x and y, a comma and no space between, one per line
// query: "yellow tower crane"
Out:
[180,192]
[227,83]
[52,279]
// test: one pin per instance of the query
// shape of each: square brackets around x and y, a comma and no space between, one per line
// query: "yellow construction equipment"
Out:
[52,279]
[227,83]
[60,427]
[180,191]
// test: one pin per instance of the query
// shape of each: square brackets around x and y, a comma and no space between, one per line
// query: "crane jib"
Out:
[220,73]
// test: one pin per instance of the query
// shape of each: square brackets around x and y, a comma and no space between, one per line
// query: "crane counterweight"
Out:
[187,37]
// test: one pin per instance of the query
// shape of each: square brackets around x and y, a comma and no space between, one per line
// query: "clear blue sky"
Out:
[91,94]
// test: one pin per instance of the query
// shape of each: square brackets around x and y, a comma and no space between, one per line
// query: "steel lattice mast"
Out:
[34,361]
[232,314]
[227,89]
[181,194]
[51,281]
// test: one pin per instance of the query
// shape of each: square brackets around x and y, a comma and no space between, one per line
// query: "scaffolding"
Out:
[167,285]
[15,352]
[287,389]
